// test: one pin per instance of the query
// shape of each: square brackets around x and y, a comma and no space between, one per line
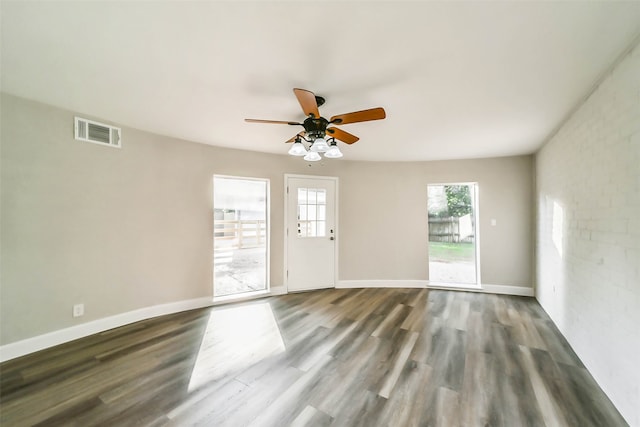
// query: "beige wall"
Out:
[122,229]
[383,217]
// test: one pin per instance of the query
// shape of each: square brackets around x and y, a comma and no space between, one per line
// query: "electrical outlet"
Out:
[78,310]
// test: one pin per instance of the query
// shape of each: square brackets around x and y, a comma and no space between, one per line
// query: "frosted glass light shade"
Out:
[333,152]
[312,156]
[297,149]
[319,146]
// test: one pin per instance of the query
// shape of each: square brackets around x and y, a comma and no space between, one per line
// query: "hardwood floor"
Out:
[351,357]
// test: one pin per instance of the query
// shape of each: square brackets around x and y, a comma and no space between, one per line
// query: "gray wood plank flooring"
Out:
[340,357]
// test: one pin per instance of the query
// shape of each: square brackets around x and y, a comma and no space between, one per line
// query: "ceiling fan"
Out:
[316,127]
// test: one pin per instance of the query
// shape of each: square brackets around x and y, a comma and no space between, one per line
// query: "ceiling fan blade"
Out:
[343,136]
[359,116]
[280,122]
[293,138]
[308,102]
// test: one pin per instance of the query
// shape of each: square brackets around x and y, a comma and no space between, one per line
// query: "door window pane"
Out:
[302,196]
[311,212]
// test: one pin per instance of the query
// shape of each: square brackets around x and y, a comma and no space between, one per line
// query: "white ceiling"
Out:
[457,79]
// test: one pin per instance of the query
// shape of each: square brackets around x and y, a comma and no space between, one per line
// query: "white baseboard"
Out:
[348,284]
[525,291]
[521,291]
[40,342]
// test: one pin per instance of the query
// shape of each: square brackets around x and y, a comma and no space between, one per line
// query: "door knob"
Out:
[331,238]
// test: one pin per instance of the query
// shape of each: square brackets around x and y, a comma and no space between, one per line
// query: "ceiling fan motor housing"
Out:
[315,127]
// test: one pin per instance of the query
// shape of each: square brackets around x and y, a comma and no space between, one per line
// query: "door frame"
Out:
[476,214]
[336,181]
[267,289]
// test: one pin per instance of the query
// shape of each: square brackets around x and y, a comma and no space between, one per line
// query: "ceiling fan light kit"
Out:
[312,156]
[333,152]
[298,149]
[319,145]
[316,128]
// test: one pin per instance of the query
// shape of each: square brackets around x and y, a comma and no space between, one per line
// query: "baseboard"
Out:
[348,284]
[521,291]
[524,291]
[41,342]
[51,339]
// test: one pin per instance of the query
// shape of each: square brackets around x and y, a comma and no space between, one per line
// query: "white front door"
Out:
[311,232]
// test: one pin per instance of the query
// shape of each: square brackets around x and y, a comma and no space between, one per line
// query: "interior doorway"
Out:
[240,236]
[453,242]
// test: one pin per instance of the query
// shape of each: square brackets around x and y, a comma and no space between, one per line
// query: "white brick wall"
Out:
[590,286]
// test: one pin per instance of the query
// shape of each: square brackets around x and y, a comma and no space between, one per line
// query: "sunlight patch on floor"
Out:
[236,337]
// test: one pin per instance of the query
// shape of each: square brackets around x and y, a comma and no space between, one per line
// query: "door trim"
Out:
[336,181]
[476,214]
[267,289]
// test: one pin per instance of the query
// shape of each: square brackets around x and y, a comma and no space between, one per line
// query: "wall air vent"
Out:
[97,133]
